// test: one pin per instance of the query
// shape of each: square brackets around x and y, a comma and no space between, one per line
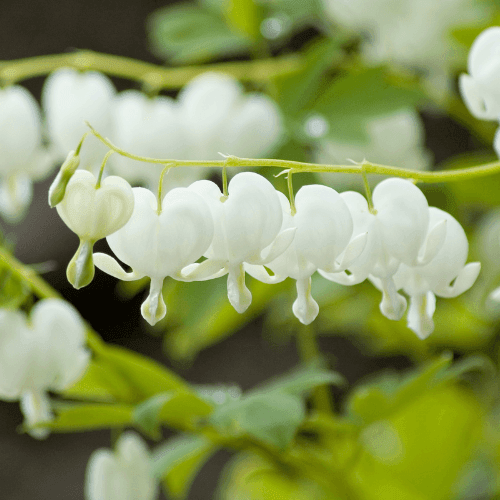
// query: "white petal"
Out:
[253,216]
[59,332]
[484,51]
[305,307]
[495,295]
[20,129]
[107,264]
[70,98]
[474,98]
[36,409]
[342,278]
[433,243]
[153,309]
[393,304]
[465,279]
[260,273]
[161,245]
[238,294]
[206,270]
[96,213]
[351,253]
[279,245]
[324,225]
[105,479]
[15,197]
[420,314]
[402,218]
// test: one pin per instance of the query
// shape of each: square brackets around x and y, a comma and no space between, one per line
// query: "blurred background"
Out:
[218,346]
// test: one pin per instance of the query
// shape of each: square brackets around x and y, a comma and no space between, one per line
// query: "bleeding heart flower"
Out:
[93,212]
[44,353]
[159,243]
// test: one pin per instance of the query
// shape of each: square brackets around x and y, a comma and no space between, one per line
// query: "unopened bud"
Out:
[58,187]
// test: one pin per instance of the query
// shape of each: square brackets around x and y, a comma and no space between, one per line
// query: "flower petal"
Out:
[305,308]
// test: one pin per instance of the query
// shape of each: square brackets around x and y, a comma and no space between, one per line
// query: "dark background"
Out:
[54,469]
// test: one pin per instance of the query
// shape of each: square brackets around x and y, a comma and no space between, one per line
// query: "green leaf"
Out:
[146,415]
[85,417]
[270,417]
[144,377]
[296,92]
[352,99]
[481,192]
[273,412]
[244,16]
[205,316]
[187,33]
[303,380]
[96,384]
[13,291]
[390,392]
[178,460]
[180,410]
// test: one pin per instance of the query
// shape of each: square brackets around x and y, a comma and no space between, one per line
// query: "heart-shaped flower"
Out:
[125,474]
[423,283]
[397,232]
[158,245]
[43,354]
[479,89]
[323,229]
[23,157]
[71,97]
[93,212]
[150,127]
[247,229]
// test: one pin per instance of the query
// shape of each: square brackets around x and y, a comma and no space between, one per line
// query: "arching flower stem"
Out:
[103,164]
[456,175]
[160,185]
[155,77]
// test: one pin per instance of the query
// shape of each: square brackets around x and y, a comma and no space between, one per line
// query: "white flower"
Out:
[123,475]
[93,213]
[397,233]
[247,229]
[323,229]
[150,127]
[216,116]
[158,245]
[446,275]
[22,158]
[70,98]
[394,139]
[43,354]
[480,88]
[413,33]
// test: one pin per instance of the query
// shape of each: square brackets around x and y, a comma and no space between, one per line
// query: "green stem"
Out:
[298,166]
[160,186]
[291,196]
[368,191]
[307,346]
[152,75]
[101,170]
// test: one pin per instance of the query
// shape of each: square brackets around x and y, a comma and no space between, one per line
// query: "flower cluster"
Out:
[398,244]
[415,34]
[43,353]
[211,114]
[479,88]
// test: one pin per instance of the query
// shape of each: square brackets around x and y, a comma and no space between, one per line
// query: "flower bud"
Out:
[58,187]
